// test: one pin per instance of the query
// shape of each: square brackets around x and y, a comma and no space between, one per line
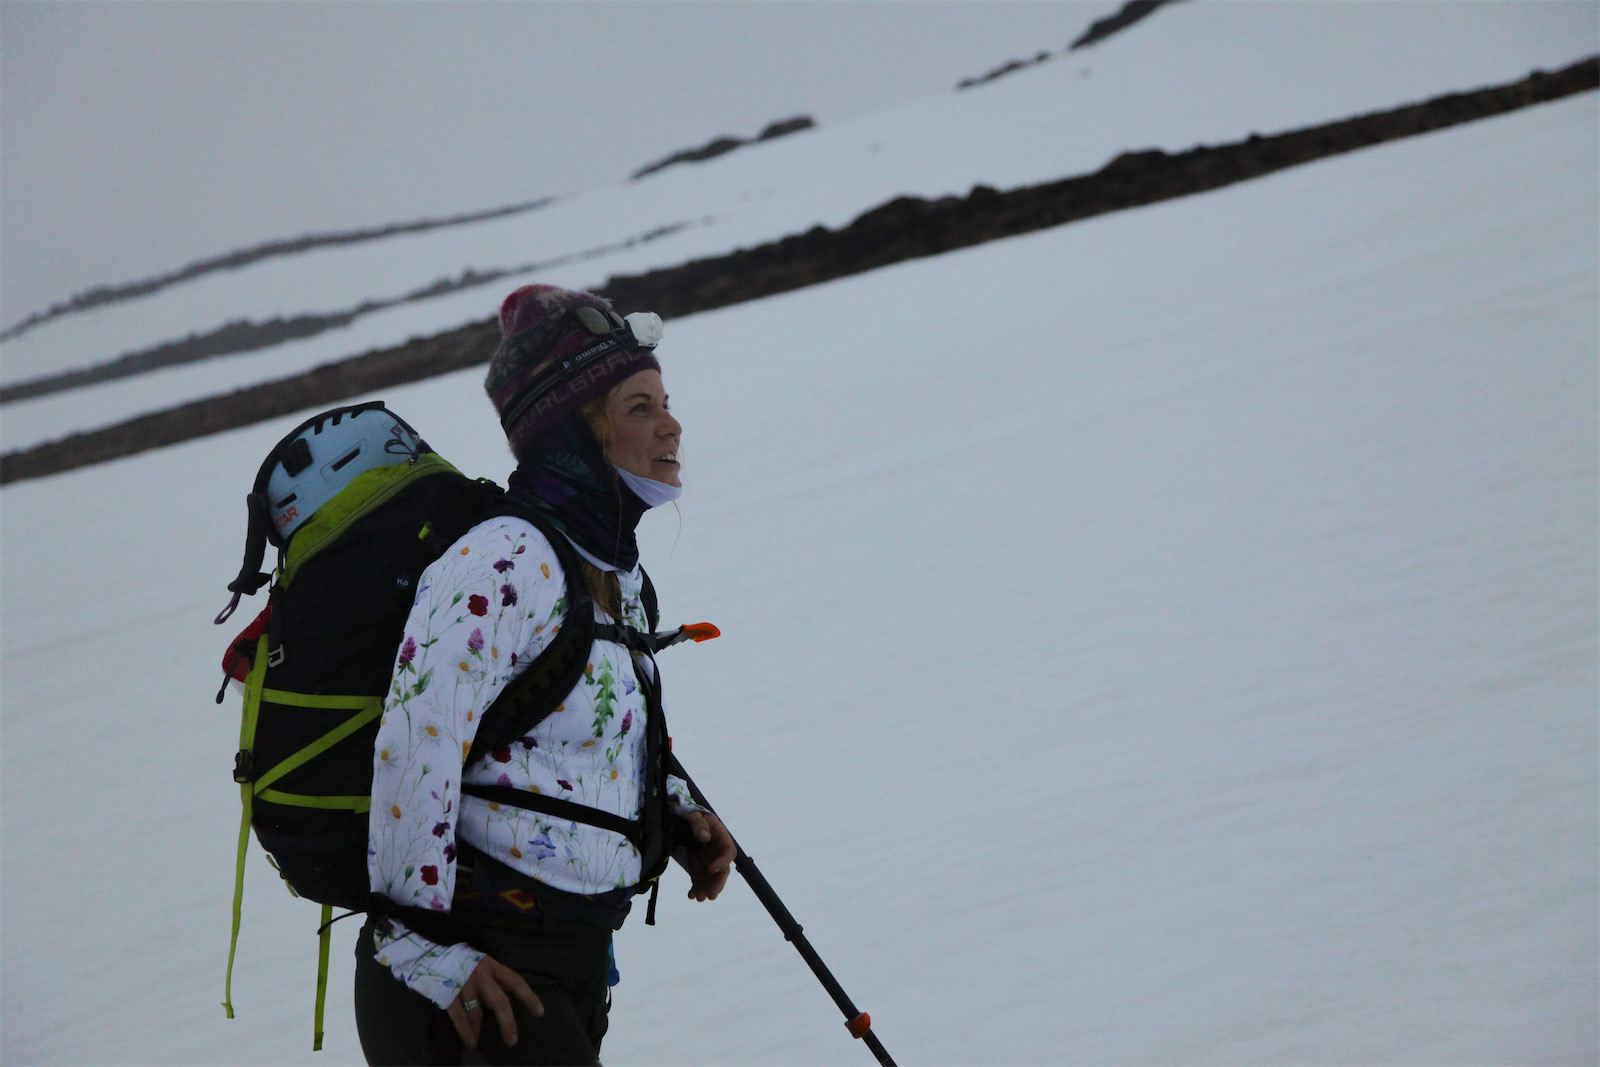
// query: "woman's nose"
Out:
[671,427]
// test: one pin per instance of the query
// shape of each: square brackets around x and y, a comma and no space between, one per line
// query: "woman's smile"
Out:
[644,436]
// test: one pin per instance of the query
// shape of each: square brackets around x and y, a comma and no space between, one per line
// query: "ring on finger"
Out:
[469,1005]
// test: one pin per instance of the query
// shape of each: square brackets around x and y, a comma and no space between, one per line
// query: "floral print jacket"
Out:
[483,611]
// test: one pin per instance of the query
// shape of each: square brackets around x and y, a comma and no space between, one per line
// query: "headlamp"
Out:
[641,329]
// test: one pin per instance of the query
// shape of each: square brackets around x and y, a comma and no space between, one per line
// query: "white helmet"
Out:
[323,455]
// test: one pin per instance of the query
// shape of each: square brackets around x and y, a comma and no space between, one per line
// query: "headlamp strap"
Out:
[616,333]
[552,375]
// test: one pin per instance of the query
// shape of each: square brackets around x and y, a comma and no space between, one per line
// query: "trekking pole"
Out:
[859,1023]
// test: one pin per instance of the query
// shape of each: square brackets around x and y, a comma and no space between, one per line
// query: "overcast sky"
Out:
[138,137]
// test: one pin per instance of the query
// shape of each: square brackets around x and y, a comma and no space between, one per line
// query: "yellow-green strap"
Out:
[252,695]
[247,736]
[324,936]
[238,898]
[318,700]
[299,800]
[372,707]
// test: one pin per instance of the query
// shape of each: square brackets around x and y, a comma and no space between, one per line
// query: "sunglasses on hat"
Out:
[641,329]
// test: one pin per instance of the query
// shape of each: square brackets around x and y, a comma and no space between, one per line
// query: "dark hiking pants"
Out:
[566,963]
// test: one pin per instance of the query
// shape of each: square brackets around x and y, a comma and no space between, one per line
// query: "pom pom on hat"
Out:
[528,302]
[508,309]
[536,329]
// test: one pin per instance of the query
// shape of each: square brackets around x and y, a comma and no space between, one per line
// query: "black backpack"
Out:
[316,663]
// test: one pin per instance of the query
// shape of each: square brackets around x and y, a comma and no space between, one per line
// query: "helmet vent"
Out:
[352,454]
[325,455]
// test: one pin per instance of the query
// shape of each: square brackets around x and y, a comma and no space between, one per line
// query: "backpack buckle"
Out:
[275,657]
[244,771]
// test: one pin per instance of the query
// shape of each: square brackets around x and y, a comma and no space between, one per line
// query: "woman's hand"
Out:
[710,859]
[486,990]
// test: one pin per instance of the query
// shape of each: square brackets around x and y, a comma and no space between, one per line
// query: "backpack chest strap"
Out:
[650,644]
[631,639]
[557,808]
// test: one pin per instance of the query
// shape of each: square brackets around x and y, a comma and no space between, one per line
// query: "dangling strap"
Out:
[251,577]
[650,911]
[238,900]
[324,937]
[242,775]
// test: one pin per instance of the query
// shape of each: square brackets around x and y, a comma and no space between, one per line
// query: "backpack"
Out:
[358,505]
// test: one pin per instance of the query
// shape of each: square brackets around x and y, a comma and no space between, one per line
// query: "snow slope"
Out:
[1197,73]
[1170,638]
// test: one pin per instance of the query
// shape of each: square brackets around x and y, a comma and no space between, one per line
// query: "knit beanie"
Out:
[549,364]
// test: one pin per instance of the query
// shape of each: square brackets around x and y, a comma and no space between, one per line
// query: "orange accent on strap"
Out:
[520,899]
[859,1026]
[701,631]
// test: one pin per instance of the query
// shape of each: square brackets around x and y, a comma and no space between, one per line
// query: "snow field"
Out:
[1196,74]
[1165,639]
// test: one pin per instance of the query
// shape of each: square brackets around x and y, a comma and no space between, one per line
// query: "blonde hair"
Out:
[603,586]
[599,419]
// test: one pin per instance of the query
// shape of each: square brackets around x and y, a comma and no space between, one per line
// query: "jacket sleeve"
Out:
[485,608]
[678,793]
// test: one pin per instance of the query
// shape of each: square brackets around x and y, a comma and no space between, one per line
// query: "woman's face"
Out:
[644,435]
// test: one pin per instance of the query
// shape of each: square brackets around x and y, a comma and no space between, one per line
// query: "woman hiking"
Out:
[493,935]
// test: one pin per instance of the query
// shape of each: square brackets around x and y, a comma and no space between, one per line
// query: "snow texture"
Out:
[1193,74]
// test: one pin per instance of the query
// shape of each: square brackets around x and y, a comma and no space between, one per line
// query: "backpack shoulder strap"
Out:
[535,693]
[647,594]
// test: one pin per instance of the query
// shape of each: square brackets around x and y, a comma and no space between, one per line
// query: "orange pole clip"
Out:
[859,1026]
[701,631]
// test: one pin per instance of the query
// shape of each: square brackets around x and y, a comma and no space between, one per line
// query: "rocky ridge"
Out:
[901,229]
